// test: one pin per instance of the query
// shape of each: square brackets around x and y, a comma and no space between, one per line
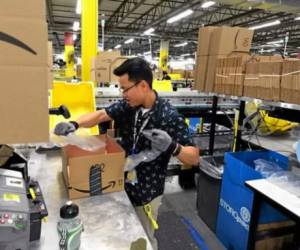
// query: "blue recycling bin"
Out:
[236,199]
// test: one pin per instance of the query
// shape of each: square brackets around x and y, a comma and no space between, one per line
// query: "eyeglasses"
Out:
[124,91]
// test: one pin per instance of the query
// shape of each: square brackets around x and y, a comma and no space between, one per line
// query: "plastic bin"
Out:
[236,200]
[79,98]
[208,189]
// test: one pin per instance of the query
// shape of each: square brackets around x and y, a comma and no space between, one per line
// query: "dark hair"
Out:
[137,69]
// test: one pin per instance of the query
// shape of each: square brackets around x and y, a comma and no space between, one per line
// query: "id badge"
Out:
[132,151]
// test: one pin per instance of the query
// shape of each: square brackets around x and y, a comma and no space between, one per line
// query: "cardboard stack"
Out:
[263,78]
[78,163]
[230,74]
[204,37]
[103,66]
[290,81]
[23,72]
[220,43]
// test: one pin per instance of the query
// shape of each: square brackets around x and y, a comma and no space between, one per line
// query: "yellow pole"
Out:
[69,55]
[89,35]
[163,55]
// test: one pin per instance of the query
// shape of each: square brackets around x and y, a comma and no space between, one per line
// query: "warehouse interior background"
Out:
[233,71]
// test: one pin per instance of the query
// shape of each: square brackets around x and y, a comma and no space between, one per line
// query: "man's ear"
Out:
[144,84]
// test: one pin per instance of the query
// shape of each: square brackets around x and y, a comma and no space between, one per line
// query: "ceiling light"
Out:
[207,4]
[264,25]
[180,44]
[297,18]
[129,41]
[76,25]
[118,46]
[74,37]
[149,31]
[180,16]
[78,7]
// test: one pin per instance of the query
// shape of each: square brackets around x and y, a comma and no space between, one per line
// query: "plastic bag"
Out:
[144,156]
[283,179]
[266,168]
[132,161]
[88,143]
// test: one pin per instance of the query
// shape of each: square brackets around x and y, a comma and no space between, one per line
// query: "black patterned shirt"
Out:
[150,175]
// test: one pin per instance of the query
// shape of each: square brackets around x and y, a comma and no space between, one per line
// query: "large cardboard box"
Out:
[50,64]
[200,73]
[23,104]
[79,166]
[226,40]
[204,39]
[105,57]
[23,42]
[101,74]
[116,63]
[27,9]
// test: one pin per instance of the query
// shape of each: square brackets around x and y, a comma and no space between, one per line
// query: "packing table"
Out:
[284,201]
[110,221]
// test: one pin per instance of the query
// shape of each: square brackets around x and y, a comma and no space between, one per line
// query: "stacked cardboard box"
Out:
[103,66]
[230,73]
[290,81]
[204,37]
[23,72]
[263,78]
[219,43]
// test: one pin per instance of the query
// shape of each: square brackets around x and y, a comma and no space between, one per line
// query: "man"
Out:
[165,76]
[146,123]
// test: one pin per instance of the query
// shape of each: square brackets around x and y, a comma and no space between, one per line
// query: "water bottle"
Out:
[69,227]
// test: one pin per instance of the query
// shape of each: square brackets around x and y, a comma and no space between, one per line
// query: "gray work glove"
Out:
[160,140]
[65,128]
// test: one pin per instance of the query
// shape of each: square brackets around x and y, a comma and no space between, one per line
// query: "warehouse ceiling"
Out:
[130,18]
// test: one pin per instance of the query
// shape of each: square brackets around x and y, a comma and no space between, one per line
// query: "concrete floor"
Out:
[183,203]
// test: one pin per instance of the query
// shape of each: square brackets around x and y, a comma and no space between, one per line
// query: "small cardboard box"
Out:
[26,9]
[78,165]
[24,42]
[226,40]
[23,104]
[204,36]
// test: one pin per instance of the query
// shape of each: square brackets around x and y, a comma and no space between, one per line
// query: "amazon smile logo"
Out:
[16,42]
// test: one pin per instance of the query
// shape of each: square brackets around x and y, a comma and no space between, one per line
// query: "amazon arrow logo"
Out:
[16,42]
[111,184]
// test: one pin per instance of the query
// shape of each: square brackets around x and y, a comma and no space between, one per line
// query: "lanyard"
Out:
[136,135]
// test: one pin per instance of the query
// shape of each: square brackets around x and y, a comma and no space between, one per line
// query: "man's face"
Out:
[131,91]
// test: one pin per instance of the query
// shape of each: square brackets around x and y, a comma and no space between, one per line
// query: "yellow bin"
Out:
[162,86]
[79,98]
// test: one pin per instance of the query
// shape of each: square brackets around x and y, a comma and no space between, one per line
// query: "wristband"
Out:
[177,150]
[76,125]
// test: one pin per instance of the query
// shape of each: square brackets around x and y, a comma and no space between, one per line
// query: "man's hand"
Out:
[65,128]
[160,140]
